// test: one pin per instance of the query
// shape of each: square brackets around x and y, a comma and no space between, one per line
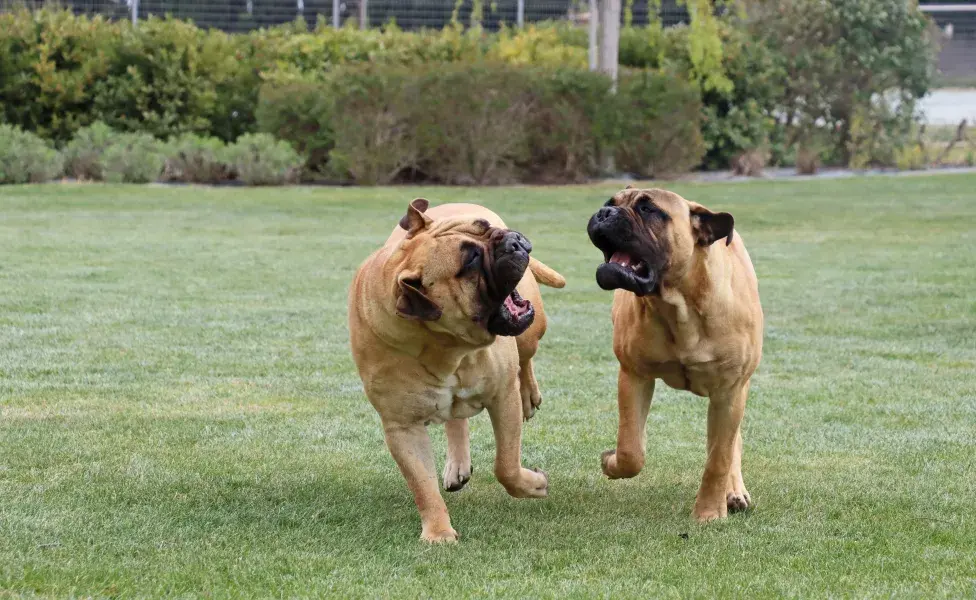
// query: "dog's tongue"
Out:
[621,259]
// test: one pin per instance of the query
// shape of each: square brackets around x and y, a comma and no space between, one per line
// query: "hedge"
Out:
[797,73]
[484,123]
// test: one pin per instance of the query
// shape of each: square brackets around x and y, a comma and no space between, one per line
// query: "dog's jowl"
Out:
[444,320]
[686,311]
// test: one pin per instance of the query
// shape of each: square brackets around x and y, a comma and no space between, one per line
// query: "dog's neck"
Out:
[704,289]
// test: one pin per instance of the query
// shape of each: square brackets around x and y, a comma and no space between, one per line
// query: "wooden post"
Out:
[609,38]
[594,34]
[363,15]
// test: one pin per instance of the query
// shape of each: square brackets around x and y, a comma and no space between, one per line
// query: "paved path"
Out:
[949,106]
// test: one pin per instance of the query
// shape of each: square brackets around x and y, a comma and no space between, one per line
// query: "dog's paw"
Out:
[614,468]
[440,536]
[457,475]
[738,501]
[705,512]
[531,483]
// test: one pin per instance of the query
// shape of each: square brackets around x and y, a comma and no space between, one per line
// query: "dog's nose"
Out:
[515,242]
[605,213]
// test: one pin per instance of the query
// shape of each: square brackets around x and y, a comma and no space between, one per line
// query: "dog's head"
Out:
[650,236]
[459,275]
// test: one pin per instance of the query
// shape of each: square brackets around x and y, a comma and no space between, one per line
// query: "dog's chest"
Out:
[459,398]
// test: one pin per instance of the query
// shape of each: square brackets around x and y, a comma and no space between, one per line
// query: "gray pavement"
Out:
[950,106]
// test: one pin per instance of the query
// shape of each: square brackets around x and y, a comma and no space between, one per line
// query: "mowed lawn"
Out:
[180,414]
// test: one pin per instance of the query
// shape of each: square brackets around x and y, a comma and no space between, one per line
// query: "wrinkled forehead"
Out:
[667,201]
[461,226]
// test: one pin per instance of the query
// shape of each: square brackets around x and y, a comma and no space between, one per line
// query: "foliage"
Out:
[843,75]
[850,66]
[195,159]
[50,64]
[299,112]
[662,136]
[25,157]
[260,159]
[133,158]
[172,78]
[83,154]
[486,123]
[534,45]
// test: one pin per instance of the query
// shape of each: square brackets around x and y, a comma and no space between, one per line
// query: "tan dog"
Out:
[686,310]
[444,321]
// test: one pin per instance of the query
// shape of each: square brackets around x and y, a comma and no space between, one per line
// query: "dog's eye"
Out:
[608,202]
[645,209]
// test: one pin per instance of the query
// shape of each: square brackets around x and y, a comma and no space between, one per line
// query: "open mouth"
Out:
[627,261]
[513,316]
[626,271]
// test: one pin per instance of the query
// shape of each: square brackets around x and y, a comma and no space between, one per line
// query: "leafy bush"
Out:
[301,113]
[573,122]
[50,62]
[851,66]
[473,121]
[487,123]
[375,121]
[83,154]
[171,78]
[260,159]
[26,158]
[196,159]
[660,117]
[133,158]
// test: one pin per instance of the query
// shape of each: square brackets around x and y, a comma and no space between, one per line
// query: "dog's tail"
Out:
[545,275]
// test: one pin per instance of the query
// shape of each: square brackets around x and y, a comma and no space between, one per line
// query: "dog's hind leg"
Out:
[457,468]
[528,345]
[529,390]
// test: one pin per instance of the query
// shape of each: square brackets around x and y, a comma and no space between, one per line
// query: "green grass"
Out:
[179,412]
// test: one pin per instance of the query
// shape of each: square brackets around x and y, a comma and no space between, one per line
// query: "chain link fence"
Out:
[956,20]
[244,15]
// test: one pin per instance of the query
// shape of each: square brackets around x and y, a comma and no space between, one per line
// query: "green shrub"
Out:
[196,159]
[473,121]
[850,67]
[660,121]
[260,159]
[26,158]
[172,78]
[573,122]
[487,123]
[375,121]
[83,154]
[133,158]
[50,63]
[301,113]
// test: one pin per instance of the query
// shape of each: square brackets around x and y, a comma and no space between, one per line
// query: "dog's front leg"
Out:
[506,421]
[634,396]
[725,410]
[410,447]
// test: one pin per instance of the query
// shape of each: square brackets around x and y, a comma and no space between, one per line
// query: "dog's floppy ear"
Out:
[413,304]
[710,227]
[415,220]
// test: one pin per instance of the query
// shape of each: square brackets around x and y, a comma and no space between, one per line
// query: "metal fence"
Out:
[244,15]
[956,20]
